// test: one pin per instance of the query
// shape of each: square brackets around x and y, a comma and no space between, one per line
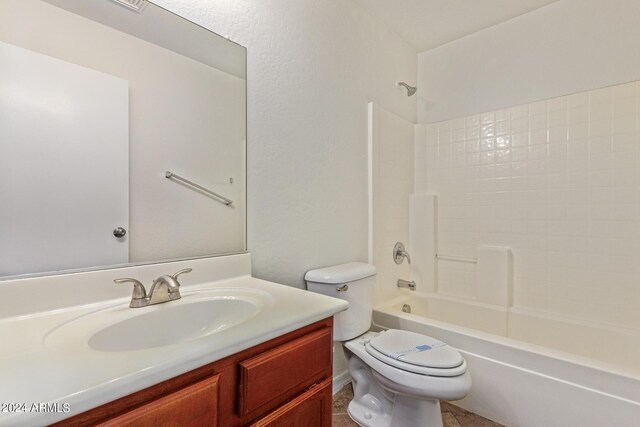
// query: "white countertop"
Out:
[33,372]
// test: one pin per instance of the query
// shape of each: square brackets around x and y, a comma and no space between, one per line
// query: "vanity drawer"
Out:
[271,378]
[194,405]
[311,409]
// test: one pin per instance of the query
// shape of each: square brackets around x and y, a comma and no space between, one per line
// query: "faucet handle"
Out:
[399,253]
[139,293]
[186,270]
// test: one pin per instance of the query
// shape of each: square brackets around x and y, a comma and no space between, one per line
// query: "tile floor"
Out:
[452,416]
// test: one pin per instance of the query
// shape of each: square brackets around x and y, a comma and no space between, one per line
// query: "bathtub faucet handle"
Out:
[399,254]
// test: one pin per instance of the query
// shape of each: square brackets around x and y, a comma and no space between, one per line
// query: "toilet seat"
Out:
[416,353]
[421,382]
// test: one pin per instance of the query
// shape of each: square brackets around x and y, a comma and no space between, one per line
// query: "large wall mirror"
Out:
[122,137]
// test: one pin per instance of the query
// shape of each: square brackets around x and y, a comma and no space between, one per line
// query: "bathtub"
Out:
[530,369]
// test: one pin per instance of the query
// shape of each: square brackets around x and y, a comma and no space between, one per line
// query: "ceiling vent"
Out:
[135,5]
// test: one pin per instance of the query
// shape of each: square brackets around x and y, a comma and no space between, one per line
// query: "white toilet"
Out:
[399,377]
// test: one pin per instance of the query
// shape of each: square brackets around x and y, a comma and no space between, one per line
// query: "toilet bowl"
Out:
[399,377]
[404,396]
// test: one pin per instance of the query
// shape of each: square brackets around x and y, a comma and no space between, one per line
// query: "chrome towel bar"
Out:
[171,175]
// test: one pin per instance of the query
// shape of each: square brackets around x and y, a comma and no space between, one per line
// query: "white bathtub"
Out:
[530,369]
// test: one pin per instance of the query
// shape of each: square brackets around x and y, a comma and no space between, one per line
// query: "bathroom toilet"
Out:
[399,377]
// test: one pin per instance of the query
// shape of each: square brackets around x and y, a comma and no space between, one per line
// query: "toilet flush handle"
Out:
[342,288]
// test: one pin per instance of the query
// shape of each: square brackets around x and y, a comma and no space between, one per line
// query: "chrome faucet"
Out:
[163,289]
[411,285]
[399,254]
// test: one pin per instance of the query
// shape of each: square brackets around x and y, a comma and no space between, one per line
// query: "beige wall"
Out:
[312,68]
[566,47]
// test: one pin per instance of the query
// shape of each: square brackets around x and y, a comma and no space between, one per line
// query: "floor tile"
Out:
[449,420]
[343,420]
[452,416]
[341,400]
[473,420]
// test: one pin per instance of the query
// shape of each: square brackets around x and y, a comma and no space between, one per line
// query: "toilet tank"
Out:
[352,282]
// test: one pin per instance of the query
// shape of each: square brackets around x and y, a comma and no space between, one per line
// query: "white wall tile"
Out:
[627,90]
[600,95]
[578,114]
[538,108]
[519,111]
[472,120]
[600,111]
[623,125]
[558,117]
[580,99]
[558,181]
[538,121]
[624,107]
[600,127]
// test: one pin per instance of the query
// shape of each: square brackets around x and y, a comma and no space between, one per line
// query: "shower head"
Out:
[410,89]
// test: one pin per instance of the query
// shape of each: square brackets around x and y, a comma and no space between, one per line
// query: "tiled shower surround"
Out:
[557,181]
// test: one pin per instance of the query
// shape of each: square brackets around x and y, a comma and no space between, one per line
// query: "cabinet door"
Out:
[311,409]
[275,376]
[195,405]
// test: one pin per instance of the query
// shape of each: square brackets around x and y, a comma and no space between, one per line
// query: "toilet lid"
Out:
[406,349]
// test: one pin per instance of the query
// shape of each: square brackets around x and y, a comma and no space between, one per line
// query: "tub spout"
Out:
[411,285]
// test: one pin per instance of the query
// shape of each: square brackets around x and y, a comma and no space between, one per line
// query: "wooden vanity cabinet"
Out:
[311,409]
[196,404]
[283,382]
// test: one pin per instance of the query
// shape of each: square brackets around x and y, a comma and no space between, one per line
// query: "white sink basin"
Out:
[195,316]
[174,324]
